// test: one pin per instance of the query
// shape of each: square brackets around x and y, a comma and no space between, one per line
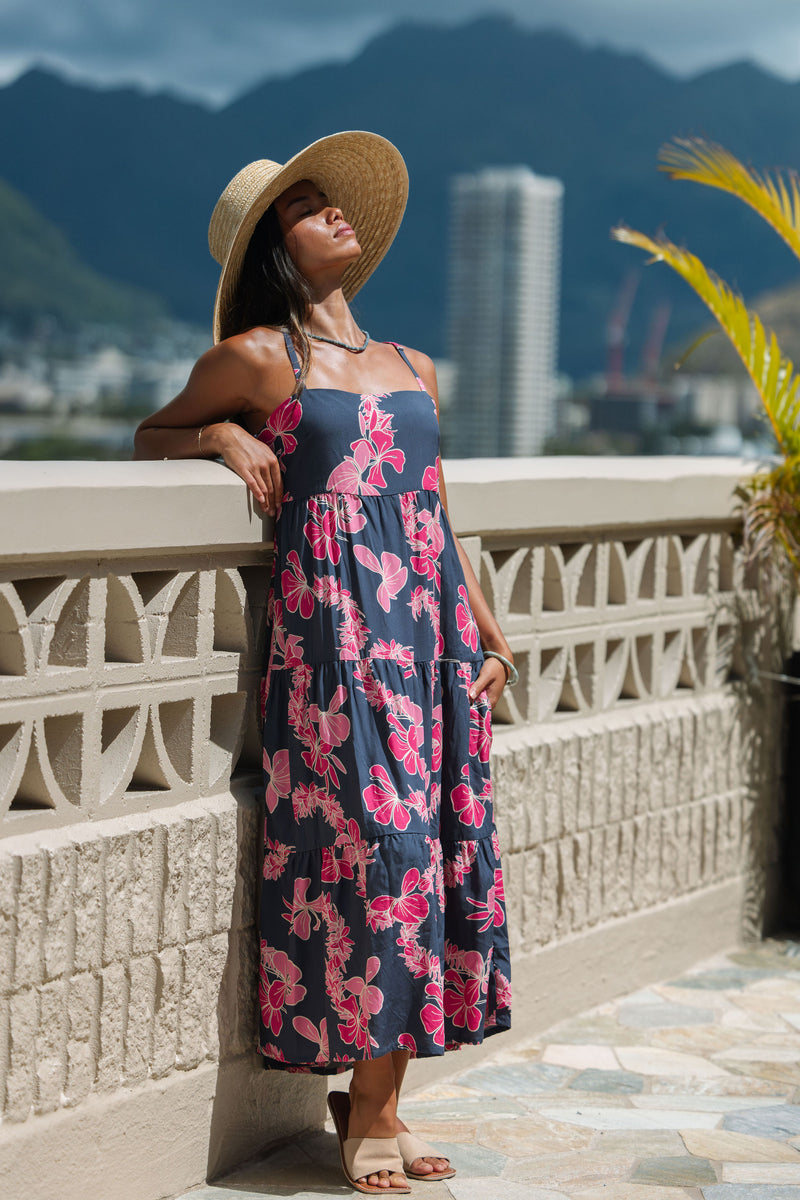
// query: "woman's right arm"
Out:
[223,384]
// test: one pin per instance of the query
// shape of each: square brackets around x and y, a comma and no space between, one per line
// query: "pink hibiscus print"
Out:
[466,621]
[348,475]
[393,574]
[480,732]
[462,998]
[410,908]
[430,478]
[432,1014]
[320,531]
[491,910]
[280,783]
[308,1029]
[382,800]
[300,912]
[283,420]
[349,516]
[385,454]
[363,1002]
[405,743]
[297,592]
[466,803]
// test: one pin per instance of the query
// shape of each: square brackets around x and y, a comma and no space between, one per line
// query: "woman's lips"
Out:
[343,230]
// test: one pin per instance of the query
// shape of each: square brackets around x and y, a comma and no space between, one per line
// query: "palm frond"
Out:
[698,341]
[775,197]
[772,374]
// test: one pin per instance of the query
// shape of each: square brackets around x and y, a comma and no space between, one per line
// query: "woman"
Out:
[383,928]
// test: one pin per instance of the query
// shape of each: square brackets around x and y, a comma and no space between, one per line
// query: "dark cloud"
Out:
[216,50]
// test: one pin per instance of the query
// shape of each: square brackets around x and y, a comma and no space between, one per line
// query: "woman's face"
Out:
[316,234]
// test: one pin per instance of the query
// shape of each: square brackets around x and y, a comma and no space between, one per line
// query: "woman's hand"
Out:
[252,461]
[491,679]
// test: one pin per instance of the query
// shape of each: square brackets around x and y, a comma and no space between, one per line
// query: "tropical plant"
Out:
[770,498]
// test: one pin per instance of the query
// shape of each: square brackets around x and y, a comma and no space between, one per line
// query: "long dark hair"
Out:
[271,290]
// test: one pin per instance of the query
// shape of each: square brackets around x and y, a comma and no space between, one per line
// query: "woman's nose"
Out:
[334,213]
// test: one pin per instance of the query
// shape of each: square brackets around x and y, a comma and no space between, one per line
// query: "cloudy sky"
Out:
[214,49]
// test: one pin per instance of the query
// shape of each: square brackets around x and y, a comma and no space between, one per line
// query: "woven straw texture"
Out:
[362,173]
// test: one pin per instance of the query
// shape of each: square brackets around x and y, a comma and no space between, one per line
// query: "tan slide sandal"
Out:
[364,1156]
[411,1148]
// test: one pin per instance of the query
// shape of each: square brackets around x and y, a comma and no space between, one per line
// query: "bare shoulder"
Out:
[253,365]
[421,363]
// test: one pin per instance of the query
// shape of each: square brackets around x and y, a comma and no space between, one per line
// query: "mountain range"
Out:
[130,179]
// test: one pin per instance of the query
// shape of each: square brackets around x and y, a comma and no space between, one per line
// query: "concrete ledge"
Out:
[582,971]
[63,508]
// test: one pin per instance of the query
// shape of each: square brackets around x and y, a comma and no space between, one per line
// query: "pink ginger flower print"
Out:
[462,998]
[432,1014]
[393,574]
[285,990]
[468,806]
[382,800]
[280,782]
[406,1042]
[397,653]
[457,869]
[480,732]
[333,728]
[306,798]
[502,988]
[276,857]
[297,592]
[466,621]
[320,531]
[436,739]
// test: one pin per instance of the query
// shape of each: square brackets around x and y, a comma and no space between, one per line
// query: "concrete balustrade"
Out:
[637,776]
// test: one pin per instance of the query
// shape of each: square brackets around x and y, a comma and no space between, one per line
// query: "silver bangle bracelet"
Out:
[512,676]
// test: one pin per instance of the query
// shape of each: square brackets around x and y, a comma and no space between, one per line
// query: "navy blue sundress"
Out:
[382,914]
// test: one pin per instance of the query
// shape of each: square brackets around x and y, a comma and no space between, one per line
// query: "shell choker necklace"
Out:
[344,345]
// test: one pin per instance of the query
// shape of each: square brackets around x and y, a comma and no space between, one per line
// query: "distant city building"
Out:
[505,257]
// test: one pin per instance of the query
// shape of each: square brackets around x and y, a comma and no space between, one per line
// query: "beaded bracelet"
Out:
[512,674]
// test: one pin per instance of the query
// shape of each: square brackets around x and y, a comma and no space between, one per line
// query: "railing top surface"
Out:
[54,508]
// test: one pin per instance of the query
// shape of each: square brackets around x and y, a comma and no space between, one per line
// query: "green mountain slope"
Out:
[42,275]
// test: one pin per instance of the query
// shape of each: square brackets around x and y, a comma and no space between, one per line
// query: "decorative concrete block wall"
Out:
[636,768]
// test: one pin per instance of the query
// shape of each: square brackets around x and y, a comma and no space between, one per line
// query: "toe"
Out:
[421,1166]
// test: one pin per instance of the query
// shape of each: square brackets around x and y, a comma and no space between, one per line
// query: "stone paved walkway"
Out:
[686,1089]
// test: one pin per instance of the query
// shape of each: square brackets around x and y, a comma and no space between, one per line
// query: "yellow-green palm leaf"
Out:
[773,375]
[775,197]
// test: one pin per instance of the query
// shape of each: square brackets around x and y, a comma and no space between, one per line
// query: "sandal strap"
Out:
[413,1147]
[368,1156]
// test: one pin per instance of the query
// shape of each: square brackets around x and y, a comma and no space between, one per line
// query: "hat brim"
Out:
[361,173]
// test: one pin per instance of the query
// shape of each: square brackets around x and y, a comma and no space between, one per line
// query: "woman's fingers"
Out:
[491,679]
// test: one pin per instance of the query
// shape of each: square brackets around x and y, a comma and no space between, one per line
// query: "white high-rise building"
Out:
[505,259]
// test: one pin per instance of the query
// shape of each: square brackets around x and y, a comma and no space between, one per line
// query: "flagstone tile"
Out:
[760,1052]
[653,1060]
[777,1121]
[633,1191]
[595,1080]
[761,1172]
[674,1171]
[476,1160]
[570,1169]
[444,1091]
[793,1018]
[723,978]
[489,1189]
[468,1108]
[692,1103]
[641,1143]
[755,1021]
[523,1079]
[751,1191]
[461,1132]
[567,1054]
[664,1015]
[632,1118]
[524,1138]
[597,1029]
[729,1085]
[723,1145]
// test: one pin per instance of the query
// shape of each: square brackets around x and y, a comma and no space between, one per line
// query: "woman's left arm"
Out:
[493,675]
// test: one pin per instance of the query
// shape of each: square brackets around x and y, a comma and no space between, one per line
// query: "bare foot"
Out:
[372,1114]
[423,1166]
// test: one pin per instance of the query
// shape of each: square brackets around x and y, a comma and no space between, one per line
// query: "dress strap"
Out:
[405,359]
[290,350]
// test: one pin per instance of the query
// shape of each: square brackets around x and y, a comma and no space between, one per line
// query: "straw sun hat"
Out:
[361,173]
